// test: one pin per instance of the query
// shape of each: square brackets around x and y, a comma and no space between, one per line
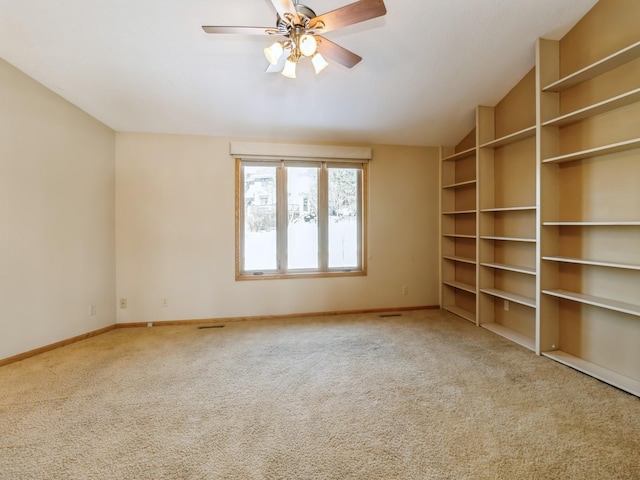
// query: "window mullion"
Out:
[323,218]
[282,218]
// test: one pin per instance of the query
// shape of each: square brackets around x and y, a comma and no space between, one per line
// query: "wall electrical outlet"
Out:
[405,290]
[165,302]
[92,310]
[123,303]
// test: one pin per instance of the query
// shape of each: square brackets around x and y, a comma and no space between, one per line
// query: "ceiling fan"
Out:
[302,30]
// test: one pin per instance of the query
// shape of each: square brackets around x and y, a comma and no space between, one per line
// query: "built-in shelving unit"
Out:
[589,197]
[458,225]
[541,204]
[507,214]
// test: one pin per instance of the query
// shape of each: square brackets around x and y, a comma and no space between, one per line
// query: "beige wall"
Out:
[57,233]
[175,235]
[88,216]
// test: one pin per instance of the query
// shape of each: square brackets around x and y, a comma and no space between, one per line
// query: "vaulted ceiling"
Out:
[147,66]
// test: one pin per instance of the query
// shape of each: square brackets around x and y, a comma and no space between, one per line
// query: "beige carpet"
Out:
[421,396]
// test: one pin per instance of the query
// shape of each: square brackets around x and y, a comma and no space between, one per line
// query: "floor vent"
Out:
[210,326]
[385,315]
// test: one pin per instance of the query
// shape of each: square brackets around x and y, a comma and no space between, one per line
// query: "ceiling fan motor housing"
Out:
[304,13]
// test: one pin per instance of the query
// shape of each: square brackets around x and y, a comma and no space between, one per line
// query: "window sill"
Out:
[285,276]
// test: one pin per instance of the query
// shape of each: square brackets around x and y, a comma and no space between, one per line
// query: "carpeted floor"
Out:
[421,396]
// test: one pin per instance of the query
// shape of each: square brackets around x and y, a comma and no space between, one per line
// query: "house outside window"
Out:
[300,218]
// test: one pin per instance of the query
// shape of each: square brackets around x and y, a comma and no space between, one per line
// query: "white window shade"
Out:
[286,151]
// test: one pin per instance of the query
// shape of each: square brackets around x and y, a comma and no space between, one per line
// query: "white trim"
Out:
[288,151]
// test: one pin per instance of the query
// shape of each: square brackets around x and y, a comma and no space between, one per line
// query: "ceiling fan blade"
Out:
[286,6]
[239,30]
[336,52]
[348,15]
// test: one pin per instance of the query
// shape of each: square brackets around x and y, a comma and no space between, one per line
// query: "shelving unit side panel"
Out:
[608,27]
[605,188]
[517,110]
[515,174]
[547,145]
[603,337]
[607,128]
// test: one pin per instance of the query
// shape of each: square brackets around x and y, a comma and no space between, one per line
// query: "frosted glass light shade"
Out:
[273,53]
[289,69]
[308,45]
[319,63]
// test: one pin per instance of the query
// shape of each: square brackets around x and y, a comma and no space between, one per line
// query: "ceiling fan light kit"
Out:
[301,29]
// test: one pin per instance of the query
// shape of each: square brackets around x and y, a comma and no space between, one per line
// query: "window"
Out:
[300,218]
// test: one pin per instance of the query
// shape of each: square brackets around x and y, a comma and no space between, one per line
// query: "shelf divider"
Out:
[468,183]
[597,151]
[457,235]
[596,109]
[509,239]
[459,212]
[610,62]
[593,224]
[508,209]
[596,371]
[460,286]
[461,312]
[511,138]
[460,155]
[597,263]
[460,259]
[510,334]
[601,302]
[510,268]
[512,297]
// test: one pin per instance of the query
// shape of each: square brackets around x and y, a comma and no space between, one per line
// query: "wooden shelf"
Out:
[468,183]
[510,268]
[601,302]
[460,286]
[512,297]
[617,380]
[509,239]
[459,212]
[511,138]
[508,209]
[510,334]
[461,312]
[597,263]
[593,224]
[597,151]
[596,109]
[611,62]
[457,235]
[460,259]
[460,155]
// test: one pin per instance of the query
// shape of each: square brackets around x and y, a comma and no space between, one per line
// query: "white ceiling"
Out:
[147,66]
